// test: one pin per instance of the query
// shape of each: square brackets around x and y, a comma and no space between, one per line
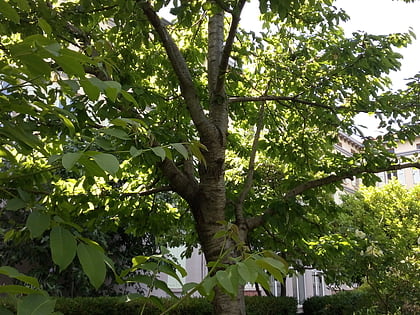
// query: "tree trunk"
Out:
[209,211]
[224,304]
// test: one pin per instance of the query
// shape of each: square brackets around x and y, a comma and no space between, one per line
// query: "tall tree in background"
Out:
[107,109]
[375,241]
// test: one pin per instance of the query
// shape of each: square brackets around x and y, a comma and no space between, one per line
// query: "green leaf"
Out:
[93,263]
[264,280]
[225,280]
[117,133]
[70,65]
[36,65]
[206,286]
[159,284]
[9,12]
[45,26]
[170,272]
[252,269]
[23,5]
[36,304]
[14,273]
[17,289]
[37,223]
[15,204]
[68,123]
[5,153]
[91,167]
[63,246]
[160,152]
[104,144]
[135,152]
[179,268]
[244,273]
[73,84]
[108,261]
[195,147]
[91,90]
[129,97]
[188,287]
[98,83]
[69,159]
[274,267]
[5,311]
[112,89]
[181,149]
[107,162]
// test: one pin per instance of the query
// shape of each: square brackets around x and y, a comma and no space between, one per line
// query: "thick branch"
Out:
[215,47]
[263,98]
[224,61]
[189,91]
[349,174]
[257,221]
[185,185]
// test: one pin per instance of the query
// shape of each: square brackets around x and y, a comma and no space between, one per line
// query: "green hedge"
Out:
[342,303]
[194,306]
[265,305]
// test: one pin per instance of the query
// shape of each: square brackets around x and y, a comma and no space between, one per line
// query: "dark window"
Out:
[392,174]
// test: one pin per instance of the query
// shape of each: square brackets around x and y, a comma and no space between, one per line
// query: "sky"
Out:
[375,17]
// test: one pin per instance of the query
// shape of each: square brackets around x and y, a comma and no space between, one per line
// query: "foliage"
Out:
[111,118]
[378,231]
[198,306]
[342,303]
[120,247]
[270,305]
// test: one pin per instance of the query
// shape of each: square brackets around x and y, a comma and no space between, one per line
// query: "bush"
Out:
[257,305]
[342,303]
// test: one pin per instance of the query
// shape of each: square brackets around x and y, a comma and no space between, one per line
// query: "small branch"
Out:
[251,168]
[148,192]
[106,8]
[48,169]
[264,98]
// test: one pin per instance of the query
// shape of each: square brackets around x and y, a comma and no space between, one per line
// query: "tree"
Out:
[238,125]
[377,234]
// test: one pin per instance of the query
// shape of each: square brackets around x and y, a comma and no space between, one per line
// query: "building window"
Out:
[416,176]
[392,174]
[299,291]
[401,176]
[417,146]
[391,150]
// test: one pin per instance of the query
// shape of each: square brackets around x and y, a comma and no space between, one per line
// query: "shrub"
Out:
[342,303]
[257,305]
